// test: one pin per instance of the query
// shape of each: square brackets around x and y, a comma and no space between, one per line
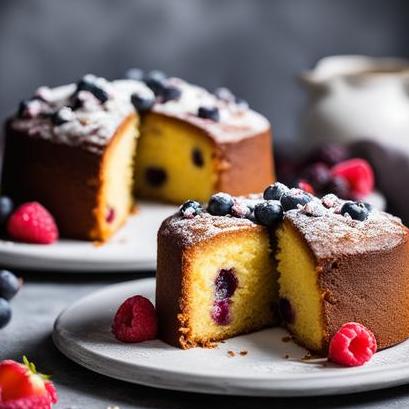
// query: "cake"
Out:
[74,149]
[313,263]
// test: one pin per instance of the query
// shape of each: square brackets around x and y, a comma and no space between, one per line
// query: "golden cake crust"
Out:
[178,240]
[362,270]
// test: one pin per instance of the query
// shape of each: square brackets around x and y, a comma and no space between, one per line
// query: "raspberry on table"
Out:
[352,345]
[32,223]
[135,320]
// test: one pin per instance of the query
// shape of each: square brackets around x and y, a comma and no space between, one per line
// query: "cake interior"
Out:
[232,287]
[175,161]
[300,296]
[117,179]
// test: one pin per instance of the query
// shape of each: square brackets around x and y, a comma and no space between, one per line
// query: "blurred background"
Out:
[255,47]
[258,48]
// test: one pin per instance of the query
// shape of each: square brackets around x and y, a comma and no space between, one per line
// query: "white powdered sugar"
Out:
[94,121]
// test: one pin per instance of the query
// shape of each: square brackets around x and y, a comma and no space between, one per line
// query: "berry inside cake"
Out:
[236,265]
[77,151]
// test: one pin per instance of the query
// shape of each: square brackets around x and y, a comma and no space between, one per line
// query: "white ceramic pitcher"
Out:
[356,97]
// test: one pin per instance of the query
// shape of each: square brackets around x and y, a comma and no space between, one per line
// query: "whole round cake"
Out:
[244,263]
[83,149]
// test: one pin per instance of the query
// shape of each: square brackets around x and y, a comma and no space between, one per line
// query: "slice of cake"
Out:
[209,271]
[332,261]
[73,149]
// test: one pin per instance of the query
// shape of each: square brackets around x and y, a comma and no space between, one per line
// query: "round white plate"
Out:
[132,248]
[83,334]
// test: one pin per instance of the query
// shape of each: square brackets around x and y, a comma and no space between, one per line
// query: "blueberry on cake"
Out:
[74,149]
[239,263]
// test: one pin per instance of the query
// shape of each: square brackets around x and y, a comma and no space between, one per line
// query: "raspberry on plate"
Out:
[32,223]
[359,175]
[352,345]
[135,320]
[22,387]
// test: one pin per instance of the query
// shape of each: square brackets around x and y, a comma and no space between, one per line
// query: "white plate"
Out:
[132,248]
[82,333]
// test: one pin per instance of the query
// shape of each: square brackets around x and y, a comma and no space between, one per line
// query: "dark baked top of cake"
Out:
[88,113]
[330,226]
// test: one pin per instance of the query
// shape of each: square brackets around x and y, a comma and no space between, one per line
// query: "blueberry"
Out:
[62,116]
[22,108]
[242,103]
[197,157]
[9,285]
[87,84]
[171,93]
[318,174]
[220,204]
[357,210]
[221,312]
[268,213]
[142,104]
[190,209]
[275,191]
[155,80]
[226,284]
[339,186]
[155,176]
[286,311]
[6,208]
[5,312]
[294,197]
[135,74]
[331,154]
[209,113]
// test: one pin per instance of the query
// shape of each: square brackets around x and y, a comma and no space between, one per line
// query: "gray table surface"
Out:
[44,296]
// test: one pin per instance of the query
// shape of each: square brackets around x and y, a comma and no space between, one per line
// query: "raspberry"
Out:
[135,320]
[304,185]
[359,175]
[32,223]
[352,345]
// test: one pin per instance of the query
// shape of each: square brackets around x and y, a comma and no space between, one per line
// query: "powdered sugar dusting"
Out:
[327,232]
[93,122]
[202,227]
[332,234]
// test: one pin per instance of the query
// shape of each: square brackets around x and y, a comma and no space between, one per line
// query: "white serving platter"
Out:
[132,248]
[83,333]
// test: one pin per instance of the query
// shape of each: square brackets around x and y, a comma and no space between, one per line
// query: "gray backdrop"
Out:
[256,47]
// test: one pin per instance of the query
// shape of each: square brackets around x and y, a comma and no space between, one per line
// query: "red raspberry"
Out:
[32,223]
[304,185]
[135,320]
[359,175]
[352,345]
